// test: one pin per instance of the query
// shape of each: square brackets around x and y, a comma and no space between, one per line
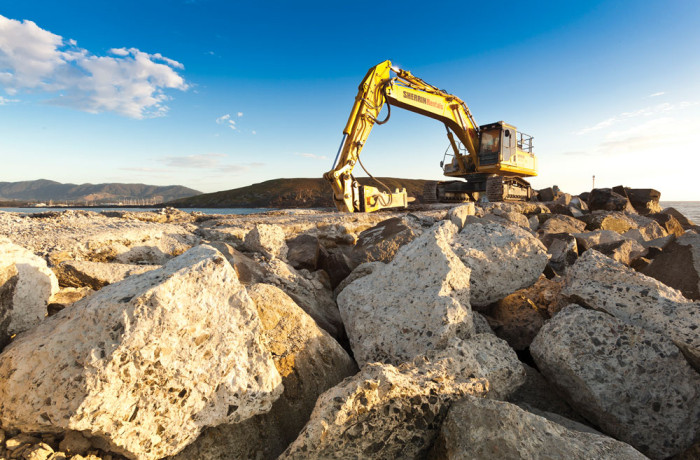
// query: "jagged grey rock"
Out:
[26,288]
[678,265]
[563,250]
[359,271]
[382,412]
[502,259]
[267,240]
[598,282]
[146,363]
[416,302]
[632,383]
[96,275]
[487,429]
[310,362]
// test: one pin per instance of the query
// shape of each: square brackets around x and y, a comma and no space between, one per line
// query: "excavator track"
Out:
[506,188]
[430,193]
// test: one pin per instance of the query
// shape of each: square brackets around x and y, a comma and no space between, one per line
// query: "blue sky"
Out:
[217,95]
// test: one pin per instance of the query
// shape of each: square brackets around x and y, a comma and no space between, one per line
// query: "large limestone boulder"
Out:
[686,223]
[396,412]
[310,362]
[632,383]
[381,242]
[458,215]
[678,265]
[26,288]
[502,259]
[643,200]
[144,364]
[267,240]
[488,429]
[416,302]
[96,275]
[669,223]
[598,282]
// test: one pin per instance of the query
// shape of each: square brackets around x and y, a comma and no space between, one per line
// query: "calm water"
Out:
[690,209]
[98,209]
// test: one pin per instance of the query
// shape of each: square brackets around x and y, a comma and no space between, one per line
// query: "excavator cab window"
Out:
[490,148]
[508,144]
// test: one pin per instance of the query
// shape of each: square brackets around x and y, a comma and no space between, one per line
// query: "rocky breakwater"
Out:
[540,329]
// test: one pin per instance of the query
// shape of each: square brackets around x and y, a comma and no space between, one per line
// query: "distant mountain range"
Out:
[288,193]
[47,190]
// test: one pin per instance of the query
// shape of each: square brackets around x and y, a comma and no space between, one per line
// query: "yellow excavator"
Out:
[492,158]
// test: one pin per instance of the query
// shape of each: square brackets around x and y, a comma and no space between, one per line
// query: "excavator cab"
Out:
[502,149]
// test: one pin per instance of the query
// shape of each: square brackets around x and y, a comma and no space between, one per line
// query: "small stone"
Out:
[74,443]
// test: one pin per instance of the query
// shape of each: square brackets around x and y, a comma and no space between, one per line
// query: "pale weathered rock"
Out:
[598,282]
[309,293]
[381,412]
[416,302]
[561,224]
[511,217]
[482,355]
[669,223]
[634,384]
[84,235]
[486,429]
[502,259]
[96,275]
[146,363]
[678,265]
[267,240]
[586,240]
[458,214]
[607,220]
[309,360]
[534,223]
[26,287]
[562,249]
[381,242]
[624,251]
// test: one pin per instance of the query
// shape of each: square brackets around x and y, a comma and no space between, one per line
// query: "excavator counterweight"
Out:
[492,158]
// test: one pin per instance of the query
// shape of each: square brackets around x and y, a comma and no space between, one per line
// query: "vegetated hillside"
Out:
[45,190]
[288,193]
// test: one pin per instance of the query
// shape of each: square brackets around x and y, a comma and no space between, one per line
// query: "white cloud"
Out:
[240,114]
[5,101]
[226,120]
[127,81]
[660,93]
[213,161]
[205,160]
[312,156]
[645,112]
[254,132]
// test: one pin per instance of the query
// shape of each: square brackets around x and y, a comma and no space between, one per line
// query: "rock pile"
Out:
[565,328]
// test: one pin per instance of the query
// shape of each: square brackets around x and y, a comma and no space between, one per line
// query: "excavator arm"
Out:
[410,93]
